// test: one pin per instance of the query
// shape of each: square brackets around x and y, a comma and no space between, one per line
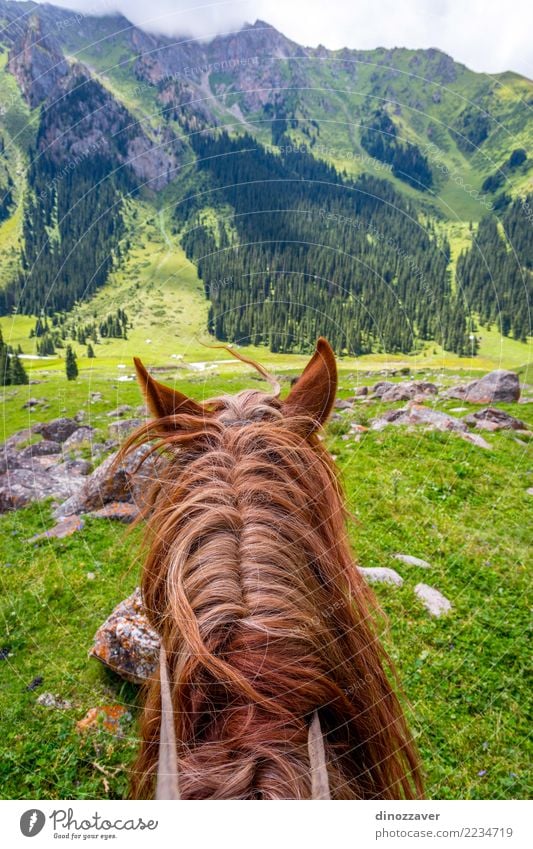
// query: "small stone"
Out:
[476,439]
[50,701]
[413,561]
[122,511]
[435,603]
[120,411]
[381,575]
[65,528]
[37,681]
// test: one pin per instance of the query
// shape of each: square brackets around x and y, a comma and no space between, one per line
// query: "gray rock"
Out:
[413,561]
[22,486]
[31,402]
[64,528]
[39,449]
[57,430]
[419,389]
[50,701]
[121,429]
[381,575]
[340,404]
[127,643]
[476,439]
[498,385]
[381,387]
[110,482]
[397,392]
[120,411]
[435,603]
[492,419]
[78,437]
[417,414]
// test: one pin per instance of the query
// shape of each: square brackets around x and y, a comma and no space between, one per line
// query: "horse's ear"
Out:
[313,394]
[161,400]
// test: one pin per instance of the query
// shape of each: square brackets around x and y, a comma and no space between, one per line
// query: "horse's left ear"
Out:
[161,400]
[313,394]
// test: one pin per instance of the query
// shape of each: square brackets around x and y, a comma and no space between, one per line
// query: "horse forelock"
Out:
[250,581]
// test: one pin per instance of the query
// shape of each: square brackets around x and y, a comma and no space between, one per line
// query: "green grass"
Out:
[427,494]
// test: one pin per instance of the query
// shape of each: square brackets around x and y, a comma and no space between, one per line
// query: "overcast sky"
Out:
[487,35]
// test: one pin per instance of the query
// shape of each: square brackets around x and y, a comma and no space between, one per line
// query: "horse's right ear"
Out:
[313,394]
[162,400]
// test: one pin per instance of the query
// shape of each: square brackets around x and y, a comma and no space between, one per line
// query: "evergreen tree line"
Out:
[304,252]
[61,327]
[72,223]
[12,372]
[496,273]
[379,137]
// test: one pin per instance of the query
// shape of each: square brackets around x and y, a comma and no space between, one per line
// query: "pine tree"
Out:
[71,367]
[90,352]
[17,372]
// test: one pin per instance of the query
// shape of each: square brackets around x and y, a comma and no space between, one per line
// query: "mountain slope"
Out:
[99,116]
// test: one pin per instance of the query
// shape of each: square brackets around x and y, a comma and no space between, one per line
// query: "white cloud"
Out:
[486,35]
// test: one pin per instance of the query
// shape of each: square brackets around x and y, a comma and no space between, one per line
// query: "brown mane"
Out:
[250,581]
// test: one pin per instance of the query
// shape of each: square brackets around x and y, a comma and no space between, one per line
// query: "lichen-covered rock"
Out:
[122,511]
[108,717]
[127,643]
[498,385]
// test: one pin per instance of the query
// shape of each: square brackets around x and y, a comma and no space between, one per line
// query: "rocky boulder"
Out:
[23,485]
[417,389]
[381,387]
[127,481]
[498,385]
[80,436]
[417,414]
[121,429]
[493,419]
[57,430]
[127,643]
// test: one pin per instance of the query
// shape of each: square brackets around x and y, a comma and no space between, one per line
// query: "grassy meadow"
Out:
[431,495]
